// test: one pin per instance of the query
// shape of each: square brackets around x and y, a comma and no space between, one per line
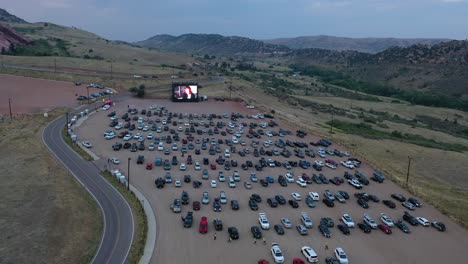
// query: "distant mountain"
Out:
[7,17]
[367,45]
[9,38]
[439,69]
[211,44]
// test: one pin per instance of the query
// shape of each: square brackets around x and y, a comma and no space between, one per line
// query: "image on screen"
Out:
[185,92]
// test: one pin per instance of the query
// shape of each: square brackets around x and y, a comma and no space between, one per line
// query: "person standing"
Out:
[264,241]
[326,245]
[214,237]
[255,241]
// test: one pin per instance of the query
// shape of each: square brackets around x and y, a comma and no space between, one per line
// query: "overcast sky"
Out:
[133,20]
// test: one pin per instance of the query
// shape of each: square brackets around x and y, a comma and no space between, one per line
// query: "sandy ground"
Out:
[29,95]
[423,245]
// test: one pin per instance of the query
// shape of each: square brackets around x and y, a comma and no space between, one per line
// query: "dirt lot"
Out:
[46,216]
[361,248]
[29,95]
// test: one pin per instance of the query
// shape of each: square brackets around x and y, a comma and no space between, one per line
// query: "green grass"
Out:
[75,146]
[366,130]
[138,245]
[42,47]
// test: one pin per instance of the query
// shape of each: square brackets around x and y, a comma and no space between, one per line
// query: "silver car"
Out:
[205,198]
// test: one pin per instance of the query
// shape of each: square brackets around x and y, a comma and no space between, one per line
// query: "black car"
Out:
[272,202]
[331,260]
[117,146]
[282,181]
[216,205]
[253,205]
[293,203]
[134,147]
[235,205]
[279,229]
[324,230]
[439,226]
[327,221]
[344,229]
[280,199]
[140,159]
[196,184]
[374,198]
[389,203]
[127,145]
[415,202]
[344,194]
[159,183]
[256,233]
[187,178]
[141,146]
[398,197]
[363,203]
[263,182]
[256,197]
[328,202]
[218,224]
[364,227]
[233,233]
[403,227]
[185,198]
[410,219]
[378,177]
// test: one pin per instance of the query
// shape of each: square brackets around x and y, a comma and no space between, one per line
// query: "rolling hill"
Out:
[367,45]
[212,44]
[10,38]
[7,17]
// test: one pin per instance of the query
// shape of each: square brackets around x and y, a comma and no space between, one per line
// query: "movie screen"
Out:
[185,93]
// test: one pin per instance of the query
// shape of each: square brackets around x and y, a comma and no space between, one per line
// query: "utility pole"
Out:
[331,124]
[87,89]
[408,172]
[9,105]
[55,65]
[128,172]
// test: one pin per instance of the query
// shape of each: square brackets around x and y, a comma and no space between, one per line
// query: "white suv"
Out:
[309,254]
[305,219]
[370,221]
[347,220]
[264,223]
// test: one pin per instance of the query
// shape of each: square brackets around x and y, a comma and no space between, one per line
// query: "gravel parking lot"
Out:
[176,244]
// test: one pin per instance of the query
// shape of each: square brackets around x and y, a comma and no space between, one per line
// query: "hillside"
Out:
[7,17]
[10,38]
[367,45]
[438,73]
[211,44]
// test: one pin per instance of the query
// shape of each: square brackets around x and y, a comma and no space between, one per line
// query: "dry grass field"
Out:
[47,217]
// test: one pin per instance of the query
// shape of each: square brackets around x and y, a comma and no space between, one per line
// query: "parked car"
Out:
[286,222]
[233,233]
[279,229]
[344,229]
[256,232]
[277,253]
[309,254]
[398,197]
[203,227]
[439,226]
[302,230]
[347,220]
[389,203]
[402,226]
[410,219]
[364,227]
[423,221]
[385,228]
[341,256]
[386,219]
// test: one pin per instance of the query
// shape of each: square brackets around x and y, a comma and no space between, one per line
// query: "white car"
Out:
[370,221]
[263,220]
[183,166]
[348,164]
[177,183]
[386,219]
[197,165]
[174,146]
[87,144]
[160,146]
[110,136]
[115,160]
[319,163]
[106,107]
[250,107]
[221,177]
[309,254]
[119,126]
[330,165]
[347,220]
[296,196]
[301,182]
[341,256]
[213,183]
[149,136]
[289,177]
[227,153]
[355,183]
[277,253]
[314,195]
[423,221]
[286,222]
[127,137]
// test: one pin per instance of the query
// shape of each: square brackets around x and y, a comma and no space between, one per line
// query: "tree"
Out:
[138,91]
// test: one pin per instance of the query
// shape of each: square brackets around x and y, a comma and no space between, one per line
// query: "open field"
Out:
[29,95]
[361,248]
[47,217]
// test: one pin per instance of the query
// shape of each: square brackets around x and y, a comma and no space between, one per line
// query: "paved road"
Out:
[118,218]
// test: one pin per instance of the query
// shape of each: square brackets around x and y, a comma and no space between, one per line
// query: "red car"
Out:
[263,261]
[189,160]
[298,261]
[149,166]
[196,205]
[306,178]
[385,228]
[213,166]
[184,141]
[203,229]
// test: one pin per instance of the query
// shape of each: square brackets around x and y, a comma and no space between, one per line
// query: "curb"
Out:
[151,222]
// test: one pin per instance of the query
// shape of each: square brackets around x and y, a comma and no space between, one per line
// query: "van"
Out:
[309,254]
